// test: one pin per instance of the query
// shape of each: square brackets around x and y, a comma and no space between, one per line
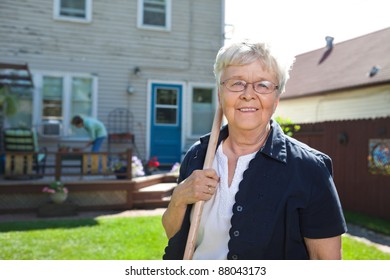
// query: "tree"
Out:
[8,107]
[8,102]
[289,128]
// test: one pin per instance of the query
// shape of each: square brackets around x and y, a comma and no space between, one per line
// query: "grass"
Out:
[140,238]
[369,222]
[126,238]
[356,250]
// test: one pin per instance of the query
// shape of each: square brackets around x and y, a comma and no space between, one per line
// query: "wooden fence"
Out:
[348,144]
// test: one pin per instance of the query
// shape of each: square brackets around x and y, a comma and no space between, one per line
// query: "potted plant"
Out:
[152,165]
[57,191]
[175,170]
[63,148]
[8,104]
[137,168]
[120,167]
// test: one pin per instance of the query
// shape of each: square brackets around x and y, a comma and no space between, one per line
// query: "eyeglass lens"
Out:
[262,87]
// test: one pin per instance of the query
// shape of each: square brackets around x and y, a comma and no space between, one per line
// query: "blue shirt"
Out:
[287,193]
[94,127]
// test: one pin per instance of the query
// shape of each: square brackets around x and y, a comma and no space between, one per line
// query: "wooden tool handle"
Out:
[208,163]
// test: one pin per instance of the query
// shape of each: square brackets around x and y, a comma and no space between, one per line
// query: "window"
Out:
[73,10]
[61,98]
[166,106]
[154,14]
[52,98]
[81,101]
[203,100]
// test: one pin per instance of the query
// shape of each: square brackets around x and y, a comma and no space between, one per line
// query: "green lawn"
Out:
[140,238]
[375,224]
[124,238]
[356,250]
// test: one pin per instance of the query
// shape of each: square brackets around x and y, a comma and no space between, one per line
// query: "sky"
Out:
[302,25]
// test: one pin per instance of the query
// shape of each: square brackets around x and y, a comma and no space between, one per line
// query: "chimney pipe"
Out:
[329,42]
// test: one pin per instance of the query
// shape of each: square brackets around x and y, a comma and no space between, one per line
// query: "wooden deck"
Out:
[89,193]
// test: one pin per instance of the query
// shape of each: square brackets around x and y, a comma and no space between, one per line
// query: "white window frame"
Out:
[168,17]
[191,87]
[67,92]
[57,16]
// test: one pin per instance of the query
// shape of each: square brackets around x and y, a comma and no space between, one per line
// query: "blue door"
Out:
[165,134]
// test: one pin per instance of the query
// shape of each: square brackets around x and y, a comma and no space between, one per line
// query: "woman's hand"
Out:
[88,144]
[200,185]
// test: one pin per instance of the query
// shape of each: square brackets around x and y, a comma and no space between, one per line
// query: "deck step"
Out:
[157,195]
[161,187]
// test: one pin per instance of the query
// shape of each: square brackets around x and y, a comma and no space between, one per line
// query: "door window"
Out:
[166,106]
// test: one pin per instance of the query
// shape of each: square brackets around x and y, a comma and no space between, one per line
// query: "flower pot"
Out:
[58,197]
[63,149]
[122,172]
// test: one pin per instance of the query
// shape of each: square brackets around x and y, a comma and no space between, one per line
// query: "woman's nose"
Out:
[248,93]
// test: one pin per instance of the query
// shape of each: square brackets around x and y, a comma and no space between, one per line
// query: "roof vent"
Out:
[329,48]
[374,70]
[329,42]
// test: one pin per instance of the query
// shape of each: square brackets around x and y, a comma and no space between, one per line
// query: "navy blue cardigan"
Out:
[287,193]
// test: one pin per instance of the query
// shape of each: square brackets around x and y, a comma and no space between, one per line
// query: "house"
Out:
[340,95]
[153,58]
[344,81]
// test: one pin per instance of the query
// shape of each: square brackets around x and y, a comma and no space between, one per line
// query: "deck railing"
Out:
[23,165]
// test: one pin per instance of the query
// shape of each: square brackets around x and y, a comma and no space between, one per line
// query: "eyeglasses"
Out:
[262,87]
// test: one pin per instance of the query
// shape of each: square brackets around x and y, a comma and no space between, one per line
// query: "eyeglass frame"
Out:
[253,86]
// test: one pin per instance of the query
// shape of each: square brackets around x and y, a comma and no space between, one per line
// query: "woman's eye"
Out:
[238,83]
[262,85]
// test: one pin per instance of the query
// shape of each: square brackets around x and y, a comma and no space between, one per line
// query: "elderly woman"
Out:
[267,196]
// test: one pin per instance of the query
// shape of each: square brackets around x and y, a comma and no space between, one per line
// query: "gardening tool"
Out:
[208,163]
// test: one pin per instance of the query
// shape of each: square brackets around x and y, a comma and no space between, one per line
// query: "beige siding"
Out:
[111,46]
[357,104]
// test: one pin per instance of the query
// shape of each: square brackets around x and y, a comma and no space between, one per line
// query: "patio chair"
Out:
[23,158]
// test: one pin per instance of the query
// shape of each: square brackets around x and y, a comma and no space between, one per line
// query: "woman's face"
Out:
[248,110]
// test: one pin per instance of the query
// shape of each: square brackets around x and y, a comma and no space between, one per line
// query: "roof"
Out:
[344,66]
[15,75]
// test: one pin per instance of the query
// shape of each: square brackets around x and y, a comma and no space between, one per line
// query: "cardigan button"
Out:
[234,257]
[236,233]
[239,208]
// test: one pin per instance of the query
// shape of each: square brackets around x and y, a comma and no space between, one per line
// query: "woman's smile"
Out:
[247,109]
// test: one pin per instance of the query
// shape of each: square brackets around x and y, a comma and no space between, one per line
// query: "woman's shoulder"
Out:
[300,151]
[292,149]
